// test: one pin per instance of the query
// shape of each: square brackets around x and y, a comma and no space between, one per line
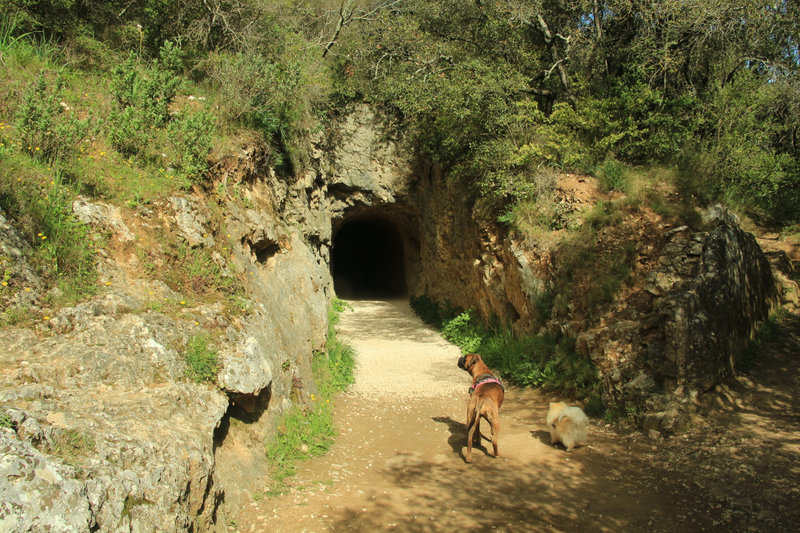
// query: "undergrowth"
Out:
[307,431]
[36,196]
[545,360]
[73,446]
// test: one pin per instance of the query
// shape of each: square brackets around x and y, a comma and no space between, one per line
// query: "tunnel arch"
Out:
[369,259]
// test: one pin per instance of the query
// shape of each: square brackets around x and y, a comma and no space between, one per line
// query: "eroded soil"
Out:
[398,461]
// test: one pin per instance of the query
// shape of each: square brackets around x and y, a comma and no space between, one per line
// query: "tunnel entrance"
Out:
[367,260]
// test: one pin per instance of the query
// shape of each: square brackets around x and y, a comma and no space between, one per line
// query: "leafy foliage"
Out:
[542,360]
[491,91]
[63,251]
[192,133]
[143,99]
[45,129]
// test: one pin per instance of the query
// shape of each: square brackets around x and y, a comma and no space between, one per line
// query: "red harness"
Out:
[483,380]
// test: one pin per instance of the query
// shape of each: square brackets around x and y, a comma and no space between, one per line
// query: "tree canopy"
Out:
[493,90]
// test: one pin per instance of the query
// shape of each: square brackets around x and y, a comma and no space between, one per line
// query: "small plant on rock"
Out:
[202,362]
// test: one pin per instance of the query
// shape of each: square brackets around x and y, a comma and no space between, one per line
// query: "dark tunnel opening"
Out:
[367,260]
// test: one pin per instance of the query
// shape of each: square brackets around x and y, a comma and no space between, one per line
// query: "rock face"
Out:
[104,426]
[98,417]
[701,307]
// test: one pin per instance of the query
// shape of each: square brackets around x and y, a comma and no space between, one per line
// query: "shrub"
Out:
[47,131]
[192,134]
[143,97]
[463,331]
[612,175]
[430,312]
[547,361]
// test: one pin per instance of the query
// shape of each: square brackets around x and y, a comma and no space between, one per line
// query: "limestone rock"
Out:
[711,289]
[23,285]
[247,370]
[38,493]
[366,161]
[110,394]
[107,217]
[191,222]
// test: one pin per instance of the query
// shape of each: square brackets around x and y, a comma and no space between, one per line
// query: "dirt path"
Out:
[398,461]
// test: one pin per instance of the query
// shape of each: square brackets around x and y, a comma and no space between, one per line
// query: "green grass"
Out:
[5,421]
[202,361]
[23,46]
[73,446]
[307,431]
[36,197]
[613,176]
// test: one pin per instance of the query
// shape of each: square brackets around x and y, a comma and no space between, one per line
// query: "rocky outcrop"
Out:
[103,423]
[696,312]
[14,265]
[98,415]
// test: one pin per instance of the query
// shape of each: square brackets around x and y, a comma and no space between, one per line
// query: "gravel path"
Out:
[397,463]
[398,355]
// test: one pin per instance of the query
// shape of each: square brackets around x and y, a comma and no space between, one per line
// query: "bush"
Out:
[545,360]
[463,332]
[47,131]
[430,312]
[612,175]
[192,134]
[143,97]
[748,157]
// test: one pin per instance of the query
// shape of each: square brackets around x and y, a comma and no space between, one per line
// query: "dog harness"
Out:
[483,379]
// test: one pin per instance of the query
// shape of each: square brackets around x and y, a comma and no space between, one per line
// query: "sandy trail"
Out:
[398,464]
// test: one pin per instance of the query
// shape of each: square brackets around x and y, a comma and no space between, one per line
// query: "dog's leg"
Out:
[468,456]
[473,421]
[471,416]
[495,422]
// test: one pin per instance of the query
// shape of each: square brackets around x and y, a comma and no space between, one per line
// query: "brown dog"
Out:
[486,397]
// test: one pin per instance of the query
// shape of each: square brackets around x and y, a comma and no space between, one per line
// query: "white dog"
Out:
[567,425]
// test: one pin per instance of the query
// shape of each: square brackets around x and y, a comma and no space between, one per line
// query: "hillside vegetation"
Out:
[131,101]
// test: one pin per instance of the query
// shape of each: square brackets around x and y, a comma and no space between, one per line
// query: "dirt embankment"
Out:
[398,461]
